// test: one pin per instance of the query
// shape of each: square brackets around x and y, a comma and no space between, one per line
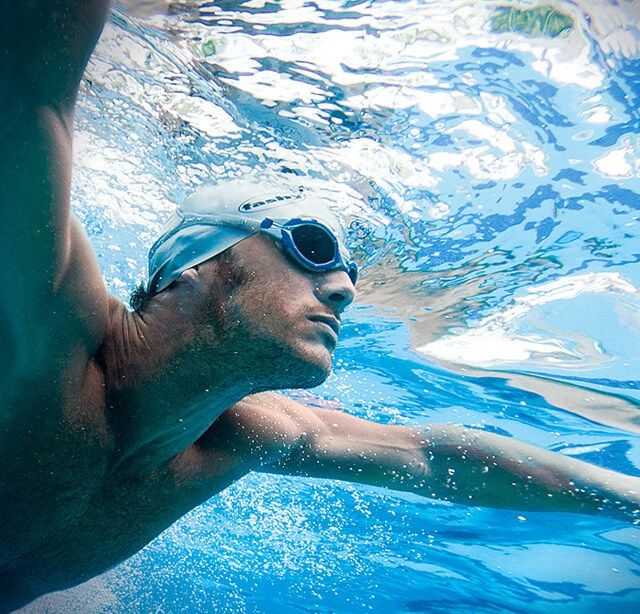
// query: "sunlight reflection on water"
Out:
[496,175]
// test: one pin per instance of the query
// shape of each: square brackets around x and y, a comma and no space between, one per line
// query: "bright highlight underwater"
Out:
[485,161]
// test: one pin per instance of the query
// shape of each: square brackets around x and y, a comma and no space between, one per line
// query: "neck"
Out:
[169,376]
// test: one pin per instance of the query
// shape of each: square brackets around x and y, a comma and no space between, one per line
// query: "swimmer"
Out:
[115,423]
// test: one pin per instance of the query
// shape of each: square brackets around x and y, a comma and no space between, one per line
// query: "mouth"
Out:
[329,323]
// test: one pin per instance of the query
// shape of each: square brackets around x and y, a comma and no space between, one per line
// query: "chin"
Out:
[302,364]
[309,368]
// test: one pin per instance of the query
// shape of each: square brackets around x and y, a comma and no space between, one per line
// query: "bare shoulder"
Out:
[264,423]
[254,433]
[70,313]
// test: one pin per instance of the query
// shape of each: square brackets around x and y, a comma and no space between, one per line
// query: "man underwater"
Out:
[115,423]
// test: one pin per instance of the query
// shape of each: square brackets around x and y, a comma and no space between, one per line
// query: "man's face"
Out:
[288,318]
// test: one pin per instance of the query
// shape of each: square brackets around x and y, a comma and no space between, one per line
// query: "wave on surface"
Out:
[485,157]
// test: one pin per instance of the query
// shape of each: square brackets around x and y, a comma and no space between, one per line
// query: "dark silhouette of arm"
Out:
[49,280]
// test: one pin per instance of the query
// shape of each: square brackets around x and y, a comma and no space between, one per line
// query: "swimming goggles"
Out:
[308,242]
[312,245]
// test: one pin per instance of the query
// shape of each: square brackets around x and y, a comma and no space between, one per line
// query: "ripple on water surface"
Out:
[485,156]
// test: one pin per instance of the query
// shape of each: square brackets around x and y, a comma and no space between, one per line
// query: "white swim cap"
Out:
[211,221]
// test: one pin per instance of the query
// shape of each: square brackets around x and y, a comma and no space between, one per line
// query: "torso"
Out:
[67,514]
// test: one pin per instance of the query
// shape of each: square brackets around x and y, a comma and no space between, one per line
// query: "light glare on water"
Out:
[487,161]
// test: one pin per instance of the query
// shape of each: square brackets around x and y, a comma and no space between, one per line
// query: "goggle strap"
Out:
[189,219]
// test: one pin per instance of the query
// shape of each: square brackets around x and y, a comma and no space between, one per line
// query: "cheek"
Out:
[285,319]
[276,311]
[275,298]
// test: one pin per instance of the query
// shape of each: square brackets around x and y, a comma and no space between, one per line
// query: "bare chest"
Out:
[53,455]
[66,514]
[121,519]
[74,517]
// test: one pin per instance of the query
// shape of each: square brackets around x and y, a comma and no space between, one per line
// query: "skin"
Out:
[114,424]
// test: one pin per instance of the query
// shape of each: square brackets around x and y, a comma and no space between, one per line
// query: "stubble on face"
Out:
[264,310]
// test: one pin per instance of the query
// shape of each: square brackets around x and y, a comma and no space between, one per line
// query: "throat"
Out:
[167,382]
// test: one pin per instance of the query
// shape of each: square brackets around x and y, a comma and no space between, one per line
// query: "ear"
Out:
[191,278]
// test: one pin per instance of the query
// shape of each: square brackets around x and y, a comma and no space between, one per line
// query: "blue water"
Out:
[491,183]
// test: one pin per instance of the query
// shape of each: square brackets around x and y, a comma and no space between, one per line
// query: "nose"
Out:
[334,289]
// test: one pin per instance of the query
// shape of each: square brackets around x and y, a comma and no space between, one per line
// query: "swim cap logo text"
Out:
[251,205]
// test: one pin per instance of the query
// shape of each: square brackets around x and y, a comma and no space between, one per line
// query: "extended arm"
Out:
[49,276]
[445,462]
[46,45]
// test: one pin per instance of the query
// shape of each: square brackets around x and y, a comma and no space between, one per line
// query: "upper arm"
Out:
[48,268]
[339,446]
[260,430]
[275,434]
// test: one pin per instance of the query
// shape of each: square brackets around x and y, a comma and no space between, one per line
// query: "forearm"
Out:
[479,468]
[45,47]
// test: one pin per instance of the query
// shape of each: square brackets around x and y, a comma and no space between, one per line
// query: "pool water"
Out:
[486,159]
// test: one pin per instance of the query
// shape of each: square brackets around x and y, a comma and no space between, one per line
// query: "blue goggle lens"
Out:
[318,248]
[314,243]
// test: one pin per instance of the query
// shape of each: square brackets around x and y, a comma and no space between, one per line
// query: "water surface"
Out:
[486,158]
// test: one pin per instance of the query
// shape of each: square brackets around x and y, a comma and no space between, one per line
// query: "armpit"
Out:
[260,429]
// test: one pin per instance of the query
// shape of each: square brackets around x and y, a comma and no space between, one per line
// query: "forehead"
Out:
[259,248]
[264,259]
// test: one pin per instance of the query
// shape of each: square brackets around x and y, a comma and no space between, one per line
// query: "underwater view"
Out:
[485,159]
